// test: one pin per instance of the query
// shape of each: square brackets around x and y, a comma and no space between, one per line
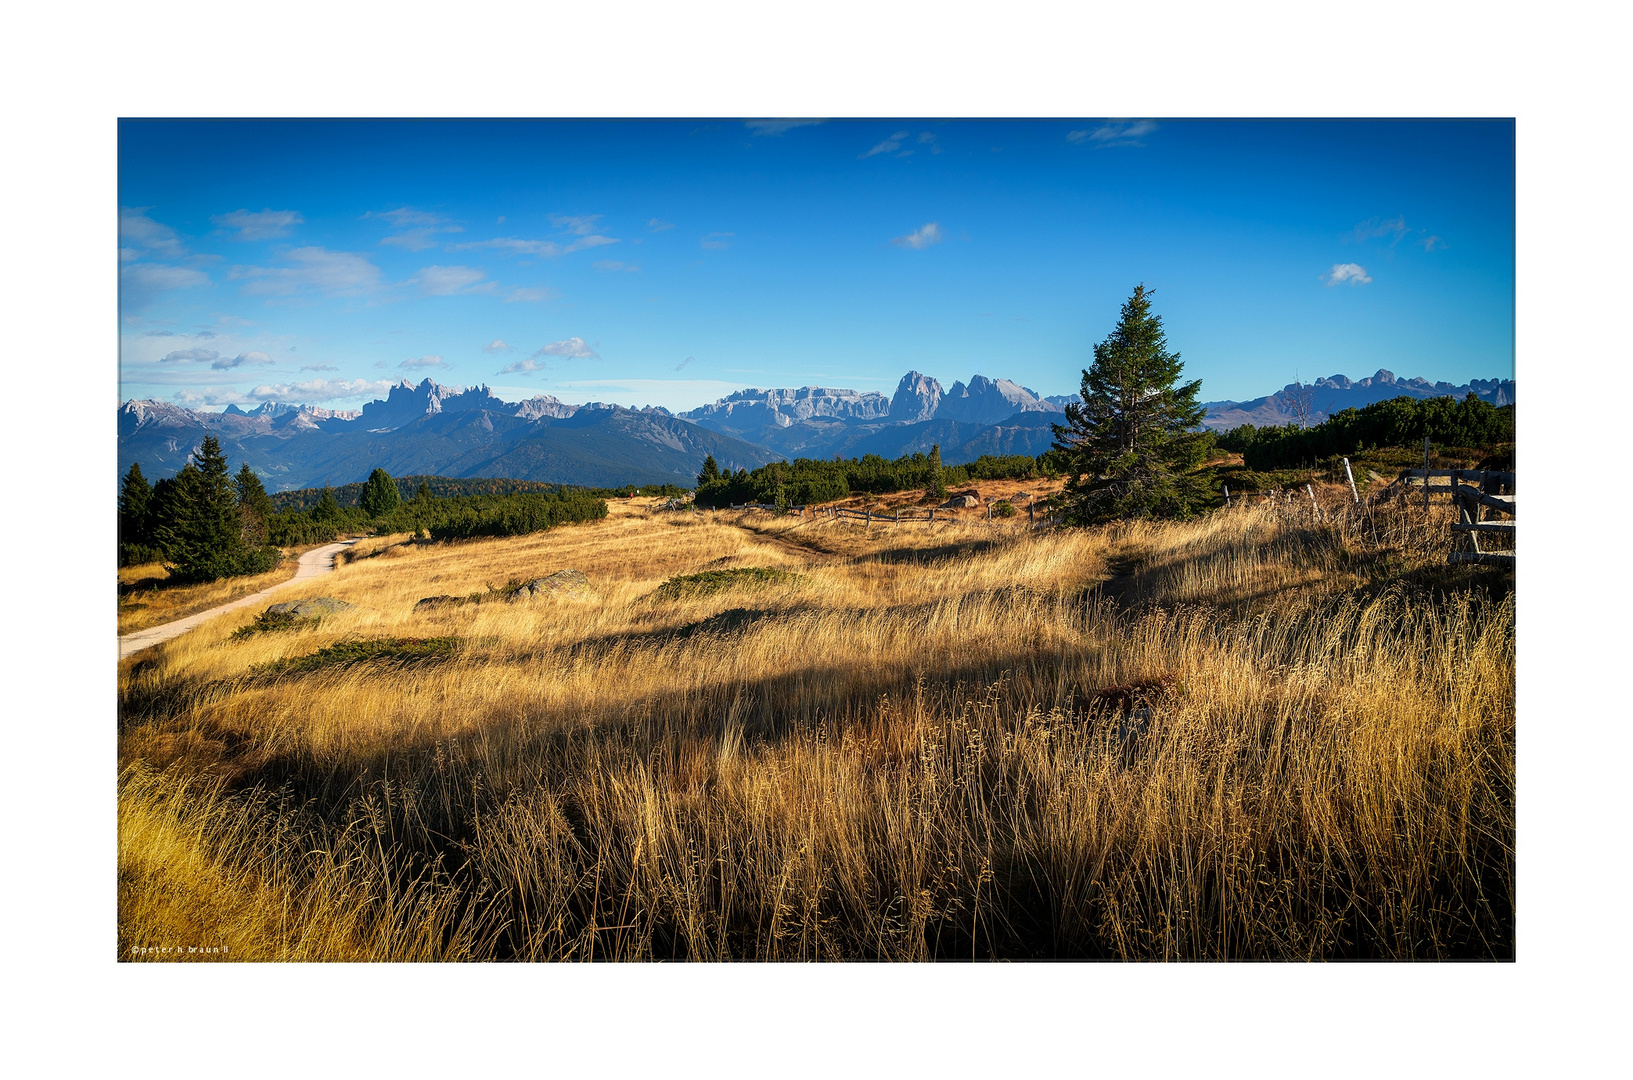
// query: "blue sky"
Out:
[670,262]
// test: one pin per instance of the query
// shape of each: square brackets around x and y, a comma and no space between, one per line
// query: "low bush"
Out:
[713,581]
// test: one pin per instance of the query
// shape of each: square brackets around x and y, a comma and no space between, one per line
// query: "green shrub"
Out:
[713,581]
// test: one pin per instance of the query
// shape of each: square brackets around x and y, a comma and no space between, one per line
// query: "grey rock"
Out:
[314,607]
[958,501]
[561,583]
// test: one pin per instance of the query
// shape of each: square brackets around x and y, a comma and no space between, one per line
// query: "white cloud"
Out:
[141,283]
[319,367]
[1354,273]
[452,281]
[885,147]
[1395,228]
[430,361]
[614,265]
[140,232]
[531,295]
[182,356]
[224,363]
[579,225]
[320,390]
[929,137]
[548,249]
[714,241]
[931,233]
[259,225]
[776,127]
[1116,133]
[339,273]
[497,345]
[1433,243]
[682,365]
[573,348]
[417,229]
[659,226]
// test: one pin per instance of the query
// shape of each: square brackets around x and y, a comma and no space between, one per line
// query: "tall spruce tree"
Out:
[254,506]
[1130,445]
[326,509]
[205,539]
[938,483]
[711,471]
[135,496]
[380,496]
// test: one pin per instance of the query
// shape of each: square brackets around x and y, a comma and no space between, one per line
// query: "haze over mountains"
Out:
[469,432]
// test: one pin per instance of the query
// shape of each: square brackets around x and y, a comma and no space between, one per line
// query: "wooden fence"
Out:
[897,517]
[1487,492]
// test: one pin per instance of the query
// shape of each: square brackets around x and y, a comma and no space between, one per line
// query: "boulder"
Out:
[314,607]
[960,501]
[441,601]
[561,583]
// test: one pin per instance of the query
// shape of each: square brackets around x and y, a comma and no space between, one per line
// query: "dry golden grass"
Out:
[899,753]
[144,599]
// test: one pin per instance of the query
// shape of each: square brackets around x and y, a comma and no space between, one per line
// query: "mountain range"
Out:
[469,432]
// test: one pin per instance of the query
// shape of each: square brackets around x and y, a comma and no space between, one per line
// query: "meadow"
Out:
[1267,733]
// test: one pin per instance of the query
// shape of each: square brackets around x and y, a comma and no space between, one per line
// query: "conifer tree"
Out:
[135,496]
[205,540]
[254,506]
[1131,443]
[710,473]
[938,484]
[326,509]
[380,495]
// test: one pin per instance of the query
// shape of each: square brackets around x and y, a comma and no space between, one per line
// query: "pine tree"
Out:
[254,507]
[135,497]
[205,540]
[380,495]
[326,509]
[711,471]
[938,483]
[1130,445]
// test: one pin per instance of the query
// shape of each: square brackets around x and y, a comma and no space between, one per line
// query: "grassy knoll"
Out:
[1254,735]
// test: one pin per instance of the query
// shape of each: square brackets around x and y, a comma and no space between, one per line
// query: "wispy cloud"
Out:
[715,241]
[431,361]
[776,127]
[1433,243]
[613,265]
[573,348]
[548,249]
[886,146]
[931,233]
[1115,133]
[144,236]
[1354,273]
[226,363]
[497,345]
[184,356]
[535,295]
[142,283]
[452,281]
[659,226]
[259,224]
[577,225]
[319,367]
[928,138]
[319,390]
[1395,228]
[682,365]
[314,269]
[417,230]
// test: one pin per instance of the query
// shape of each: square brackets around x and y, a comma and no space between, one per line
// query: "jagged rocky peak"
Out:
[917,397]
[758,407]
[987,401]
[540,406]
[405,403]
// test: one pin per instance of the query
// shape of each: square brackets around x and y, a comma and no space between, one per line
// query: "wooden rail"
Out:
[1472,503]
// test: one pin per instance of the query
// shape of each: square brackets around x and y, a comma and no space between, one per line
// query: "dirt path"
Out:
[312,564]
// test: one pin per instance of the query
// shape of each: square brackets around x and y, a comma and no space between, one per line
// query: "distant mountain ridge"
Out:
[1338,392]
[468,432]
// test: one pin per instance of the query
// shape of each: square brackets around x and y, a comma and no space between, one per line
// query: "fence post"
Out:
[870,517]
[1426,473]
[1227,494]
[1313,504]
[1031,517]
[932,515]
[1351,476]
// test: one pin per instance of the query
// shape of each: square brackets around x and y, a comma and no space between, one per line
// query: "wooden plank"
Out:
[1485,527]
[1484,558]
[1505,503]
